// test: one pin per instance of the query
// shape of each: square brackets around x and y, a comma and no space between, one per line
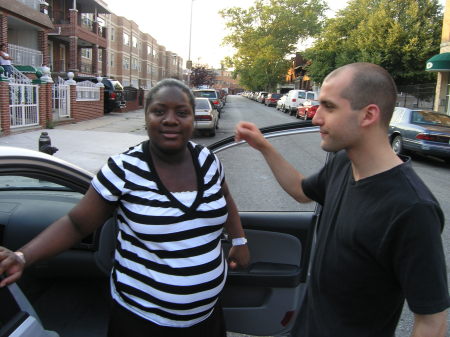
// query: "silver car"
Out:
[424,132]
[206,116]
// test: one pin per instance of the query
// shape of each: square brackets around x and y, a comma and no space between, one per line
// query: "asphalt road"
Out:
[435,173]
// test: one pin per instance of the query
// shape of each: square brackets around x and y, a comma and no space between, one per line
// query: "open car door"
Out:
[265,298]
[69,293]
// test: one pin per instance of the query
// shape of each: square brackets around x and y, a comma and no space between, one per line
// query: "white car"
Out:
[296,97]
[281,103]
[206,116]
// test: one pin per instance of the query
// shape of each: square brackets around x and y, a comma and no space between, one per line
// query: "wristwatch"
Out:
[238,241]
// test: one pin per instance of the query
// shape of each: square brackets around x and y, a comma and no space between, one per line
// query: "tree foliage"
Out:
[202,75]
[399,35]
[264,34]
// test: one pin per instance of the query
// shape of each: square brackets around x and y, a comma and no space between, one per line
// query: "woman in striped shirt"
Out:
[172,205]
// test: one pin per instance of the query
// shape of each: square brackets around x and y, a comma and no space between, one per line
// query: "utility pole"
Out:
[189,62]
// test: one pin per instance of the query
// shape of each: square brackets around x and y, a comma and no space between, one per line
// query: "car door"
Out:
[265,298]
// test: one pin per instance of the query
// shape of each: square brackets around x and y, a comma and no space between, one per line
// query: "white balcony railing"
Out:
[35,4]
[25,56]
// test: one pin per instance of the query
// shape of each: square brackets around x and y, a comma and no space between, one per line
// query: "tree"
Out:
[264,34]
[398,35]
[201,75]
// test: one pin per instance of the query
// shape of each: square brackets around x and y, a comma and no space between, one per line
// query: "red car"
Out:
[307,110]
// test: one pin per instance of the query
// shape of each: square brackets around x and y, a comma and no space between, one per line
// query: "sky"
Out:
[168,21]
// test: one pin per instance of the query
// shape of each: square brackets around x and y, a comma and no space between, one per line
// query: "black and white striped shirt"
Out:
[169,266]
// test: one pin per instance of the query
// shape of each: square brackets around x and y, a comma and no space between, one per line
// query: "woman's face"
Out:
[170,120]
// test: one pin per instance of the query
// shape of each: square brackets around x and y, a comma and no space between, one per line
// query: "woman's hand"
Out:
[12,265]
[239,256]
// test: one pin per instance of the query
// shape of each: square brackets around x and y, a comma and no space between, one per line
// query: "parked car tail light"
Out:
[216,102]
[433,138]
[203,118]
[113,95]
[294,100]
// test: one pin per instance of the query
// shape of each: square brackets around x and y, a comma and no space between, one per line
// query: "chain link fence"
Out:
[416,96]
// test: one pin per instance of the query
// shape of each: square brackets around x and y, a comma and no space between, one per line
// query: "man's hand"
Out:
[251,134]
[12,265]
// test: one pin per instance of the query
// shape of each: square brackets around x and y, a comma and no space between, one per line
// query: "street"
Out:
[117,131]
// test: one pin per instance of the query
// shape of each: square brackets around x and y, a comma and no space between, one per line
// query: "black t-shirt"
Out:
[378,242]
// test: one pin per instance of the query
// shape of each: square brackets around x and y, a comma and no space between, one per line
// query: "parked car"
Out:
[420,131]
[213,95]
[262,96]
[281,103]
[114,94]
[206,116]
[272,99]
[68,293]
[297,97]
[307,110]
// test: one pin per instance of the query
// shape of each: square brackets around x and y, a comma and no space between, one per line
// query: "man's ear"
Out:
[371,115]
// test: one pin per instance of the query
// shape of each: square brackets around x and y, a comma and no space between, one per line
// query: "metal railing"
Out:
[25,56]
[35,4]
[87,91]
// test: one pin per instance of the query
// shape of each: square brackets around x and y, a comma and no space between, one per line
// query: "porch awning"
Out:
[439,62]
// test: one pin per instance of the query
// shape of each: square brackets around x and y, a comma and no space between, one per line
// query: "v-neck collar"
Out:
[162,187]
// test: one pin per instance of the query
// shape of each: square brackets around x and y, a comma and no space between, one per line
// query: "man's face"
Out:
[339,123]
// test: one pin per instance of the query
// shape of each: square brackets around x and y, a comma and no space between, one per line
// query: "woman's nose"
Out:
[170,117]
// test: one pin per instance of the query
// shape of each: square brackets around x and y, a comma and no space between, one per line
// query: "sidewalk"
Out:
[88,144]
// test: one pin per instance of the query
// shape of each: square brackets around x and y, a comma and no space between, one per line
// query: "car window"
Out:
[207,94]
[430,118]
[301,94]
[397,116]
[117,85]
[20,183]
[253,185]
[202,104]
[310,95]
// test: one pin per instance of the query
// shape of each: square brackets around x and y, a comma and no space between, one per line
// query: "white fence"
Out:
[61,99]
[23,104]
[87,91]
[25,56]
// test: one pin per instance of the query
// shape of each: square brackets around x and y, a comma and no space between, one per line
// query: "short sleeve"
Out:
[110,180]
[418,258]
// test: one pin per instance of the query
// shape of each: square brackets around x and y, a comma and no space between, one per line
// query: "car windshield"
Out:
[430,118]
[276,95]
[207,94]
[201,104]
[301,94]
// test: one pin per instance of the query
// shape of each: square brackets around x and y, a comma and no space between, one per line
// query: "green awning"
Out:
[439,62]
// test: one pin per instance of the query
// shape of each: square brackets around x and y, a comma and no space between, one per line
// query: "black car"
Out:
[419,131]
[114,93]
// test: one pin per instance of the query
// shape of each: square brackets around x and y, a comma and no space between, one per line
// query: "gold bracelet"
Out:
[21,257]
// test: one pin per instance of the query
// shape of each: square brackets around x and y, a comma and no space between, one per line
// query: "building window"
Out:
[112,32]
[134,40]
[86,53]
[111,59]
[134,63]
[126,63]
[149,68]
[149,49]
[126,39]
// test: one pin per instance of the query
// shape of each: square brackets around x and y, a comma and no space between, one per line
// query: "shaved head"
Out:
[370,84]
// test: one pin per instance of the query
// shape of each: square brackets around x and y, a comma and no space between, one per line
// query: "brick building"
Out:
[441,64]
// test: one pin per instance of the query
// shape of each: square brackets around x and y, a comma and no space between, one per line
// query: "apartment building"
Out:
[78,41]
[24,27]
[136,59]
